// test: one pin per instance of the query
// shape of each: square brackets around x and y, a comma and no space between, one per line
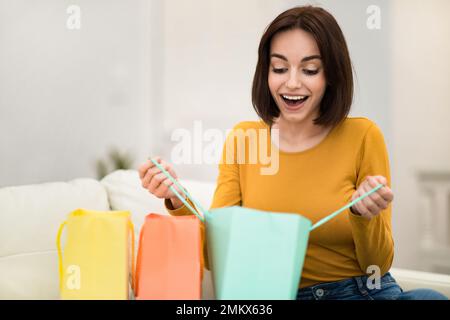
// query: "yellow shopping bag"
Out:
[95,263]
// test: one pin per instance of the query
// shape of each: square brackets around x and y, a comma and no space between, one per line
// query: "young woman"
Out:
[303,89]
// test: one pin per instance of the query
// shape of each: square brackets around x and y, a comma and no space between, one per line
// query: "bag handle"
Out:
[316,225]
[131,227]
[168,175]
[58,245]
[138,264]
[60,258]
[334,214]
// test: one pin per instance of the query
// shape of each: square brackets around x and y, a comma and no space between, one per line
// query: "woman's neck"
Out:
[293,132]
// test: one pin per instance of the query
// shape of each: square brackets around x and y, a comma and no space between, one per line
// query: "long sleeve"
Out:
[373,238]
[228,190]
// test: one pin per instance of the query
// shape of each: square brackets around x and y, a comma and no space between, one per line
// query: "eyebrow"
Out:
[305,59]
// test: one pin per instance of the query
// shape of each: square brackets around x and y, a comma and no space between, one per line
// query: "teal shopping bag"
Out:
[253,254]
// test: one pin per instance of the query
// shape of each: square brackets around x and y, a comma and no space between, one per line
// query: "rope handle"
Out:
[168,175]
[60,258]
[133,266]
[318,224]
[58,245]
[334,214]
[138,264]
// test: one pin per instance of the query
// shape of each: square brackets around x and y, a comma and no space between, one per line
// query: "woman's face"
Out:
[296,76]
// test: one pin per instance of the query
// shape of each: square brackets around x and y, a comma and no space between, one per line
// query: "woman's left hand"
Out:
[372,205]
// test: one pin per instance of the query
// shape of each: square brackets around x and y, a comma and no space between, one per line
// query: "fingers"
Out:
[143,168]
[155,181]
[360,207]
[371,208]
[164,191]
[377,201]
[148,179]
[148,170]
[169,168]
[385,192]
[377,180]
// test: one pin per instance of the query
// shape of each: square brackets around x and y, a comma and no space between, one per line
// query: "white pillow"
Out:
[29,220]
[30,276]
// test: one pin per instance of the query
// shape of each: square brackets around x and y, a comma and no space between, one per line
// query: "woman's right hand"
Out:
[157,183]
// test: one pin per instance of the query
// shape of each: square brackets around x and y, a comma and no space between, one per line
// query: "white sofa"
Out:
[30,216]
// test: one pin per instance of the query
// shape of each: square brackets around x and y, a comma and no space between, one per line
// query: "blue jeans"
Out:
[357,289]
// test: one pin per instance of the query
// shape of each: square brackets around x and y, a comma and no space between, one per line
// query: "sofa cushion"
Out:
[412,279]
[29,276]
[29,220]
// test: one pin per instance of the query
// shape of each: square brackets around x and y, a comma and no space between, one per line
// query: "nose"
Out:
[294,81]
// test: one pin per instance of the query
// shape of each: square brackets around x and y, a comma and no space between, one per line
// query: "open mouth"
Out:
[294,101]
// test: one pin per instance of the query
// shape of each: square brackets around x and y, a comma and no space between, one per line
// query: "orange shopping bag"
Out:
[169,262]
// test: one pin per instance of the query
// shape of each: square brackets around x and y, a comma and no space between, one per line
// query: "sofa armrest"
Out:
[411,279]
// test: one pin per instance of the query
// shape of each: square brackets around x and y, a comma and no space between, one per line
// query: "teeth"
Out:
[295,98]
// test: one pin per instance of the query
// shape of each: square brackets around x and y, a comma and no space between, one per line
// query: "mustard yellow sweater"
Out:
[315,183]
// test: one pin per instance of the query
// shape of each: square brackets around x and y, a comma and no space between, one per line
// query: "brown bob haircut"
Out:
[338,96]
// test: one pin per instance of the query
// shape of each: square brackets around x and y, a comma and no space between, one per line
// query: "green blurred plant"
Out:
[116,160]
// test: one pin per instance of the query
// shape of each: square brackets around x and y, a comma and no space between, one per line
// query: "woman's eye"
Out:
[309,72]
[279,70]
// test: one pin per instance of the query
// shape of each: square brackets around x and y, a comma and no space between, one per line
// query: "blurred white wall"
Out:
[67,96]
[420,117]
